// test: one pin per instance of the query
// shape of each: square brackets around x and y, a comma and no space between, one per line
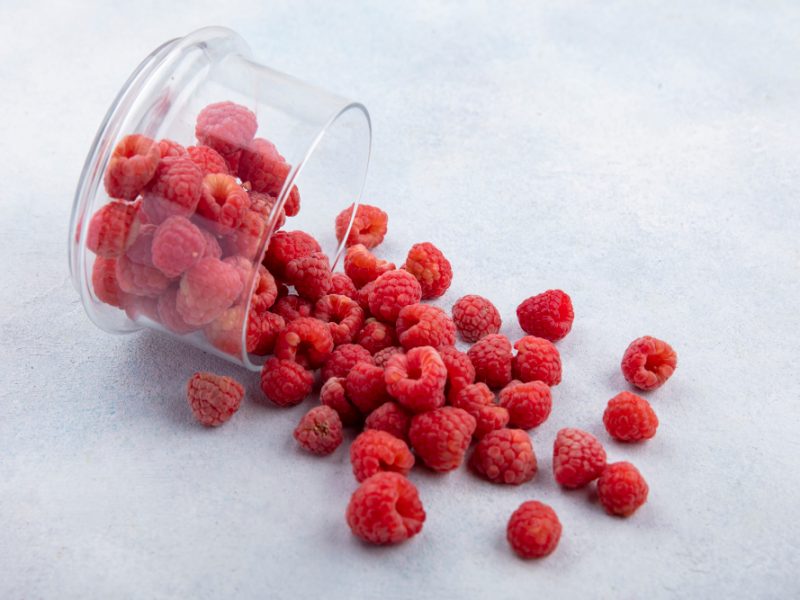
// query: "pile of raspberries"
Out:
[177,244]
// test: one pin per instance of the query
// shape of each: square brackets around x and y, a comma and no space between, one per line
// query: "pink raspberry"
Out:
[385,509]
[264,168]
[475,317]
[491,356]
[112,229]
[548,315]
[416,380]
[343,315]
[140,280]
[131,166]
[285,246]
[528,404]
[393,291]
[391,418]
[621,489]
[245,240]
[285,382]
[537,359]
[168,314]
[648,363]
[533,530]
[264,204]
[225,332]
[213,398]
[376,336]
[174,190]
[478,400]
[366,387]
[244,269]
[424,325]
[265,292]
[168,148]
[381,357]
[104,282]
[578,458]
[206,290]
[213,248]
[177,245]
[342,359]
[306,341]
[226,127]
[141,250]
[319,431]
[207,159]
[223,203]
[310,275]
[341,284]
[630,418]
[369,226]
[504,456]
[433,271]
[374,451]
[263,329]
[441,437]
[460,371]
[292,307]
[333,394]
[361,266]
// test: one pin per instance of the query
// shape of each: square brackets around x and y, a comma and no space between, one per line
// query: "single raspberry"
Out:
[140,280]
[366,387]
[341,284]
[385,509]
[285,246]
[223,203]
[362,266]
[381,357]
[478,400]
[177,245]
[263,204]
[206,290]
[292,204]
[374,451]
[168,314]
[292,307]
[621,489]
[376,336]
[504,456]
[460,371]
[528,404]
[310,275]
[244,268]
[225,332]
[265,292]
[174,190]
[391,418]
[491,356]
[226,127]
[441,437]
[333,394]
[578,458]
[343,358]
[306,341]
[245,240]
[363,296]
[369,226]
[424,325]
[207,159]
[104,282]
[285,382]
[213,398]
[168,148]
[648,363]
[112,229]
[548,315]
[537,359]
[533,530]
[263,329]
[475,317]
[131,166]
[141,250]
[416,380]
[319,431]
[630,418]
[393,291]
[433,271]
[264,168]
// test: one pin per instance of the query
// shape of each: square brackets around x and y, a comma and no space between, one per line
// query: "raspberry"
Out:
[292,307]
[478,400]
[104,282]
[441,437]
[504,456]
[206,290]
[140,280]
[112,229]
[225,332]
[381,357]
[361,266]
[391,418]
[223,203]
[341,284]
[393,291]
[630,418]
[344,358]
[319,431]
[213,398]
[285,382]
[264,168]
[141,250]
[246,239]
[491,356]
[578,458]
[433,271]
[548,315]
[376,336]
[528,404]
[207,159]
[310,275]
[177,245]
[537,359]
[244,269]
[374,451]
[333,394]
[232,160]
[174,190]
[385,509]
[648,363]
[475,317]
[366,387]
[424,325]
[533,530]
[460,372]
[285,246]
[225,126]
[169,148]
[263,204]
[213,248]
[369,226]
[263,329]
[621,489]
[417,379]
[292,204]
[265,292]
[131,166]
[168,314]
[305,341]
[363,296]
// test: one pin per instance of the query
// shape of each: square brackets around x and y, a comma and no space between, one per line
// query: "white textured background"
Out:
[643,157]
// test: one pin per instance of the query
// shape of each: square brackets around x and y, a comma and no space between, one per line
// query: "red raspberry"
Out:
[385,509]
[343,315]
[174,190]
[223,203]
[381,357]
[246,239]
[366,387]
[225,126]
[263,329]
[393,291]
[528,404]
[131,166]
[206,290]
[425,325]
[537,360]
[505,456]
[341,284]
[104,282]
[363,296]
[362,266]
[441,437]
[533,530]
[177,245]
[213,398]
[292,307]
[319,431]
[417,379]
[344,358]
[141,250]
[333,394]
[168,148]
[374,451]
[140,280]
[648,363]
[306,341]
[285,382]
[207,159]
[621,489]
[491,356]
[433,271]
[630,418]
[265,292]
[391,418]
[285,246]
[548,315]
[112,229]
[475,317]
[225,332]
[292,204]
[369,226]
[376,336]
[264,168]
[168,314]
[578,458]
[310,275]
[460,372]
[263,204]
[478,400]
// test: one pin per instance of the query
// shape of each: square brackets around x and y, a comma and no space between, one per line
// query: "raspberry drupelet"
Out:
[621,489]
[537,359]
[333,394]
[343,358]
[433,271]
[342,314]
[528,404]
[319,431]
[548,315]
[366,387]
[424,325]
[578,458]
[441,437]
[391,418]
[391,292]
[630,418]
[417,379]
[131,166]
[478,400]
[112,229]
[533,530]
[648,362]
[374,451]
[491,356]
[475,317]
[284,382]
[369,226]
[504,456]
[376,335]
[306,341]
[385,509]
[361,266]
[213,398]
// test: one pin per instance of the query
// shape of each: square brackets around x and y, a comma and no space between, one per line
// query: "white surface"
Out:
[645,159]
